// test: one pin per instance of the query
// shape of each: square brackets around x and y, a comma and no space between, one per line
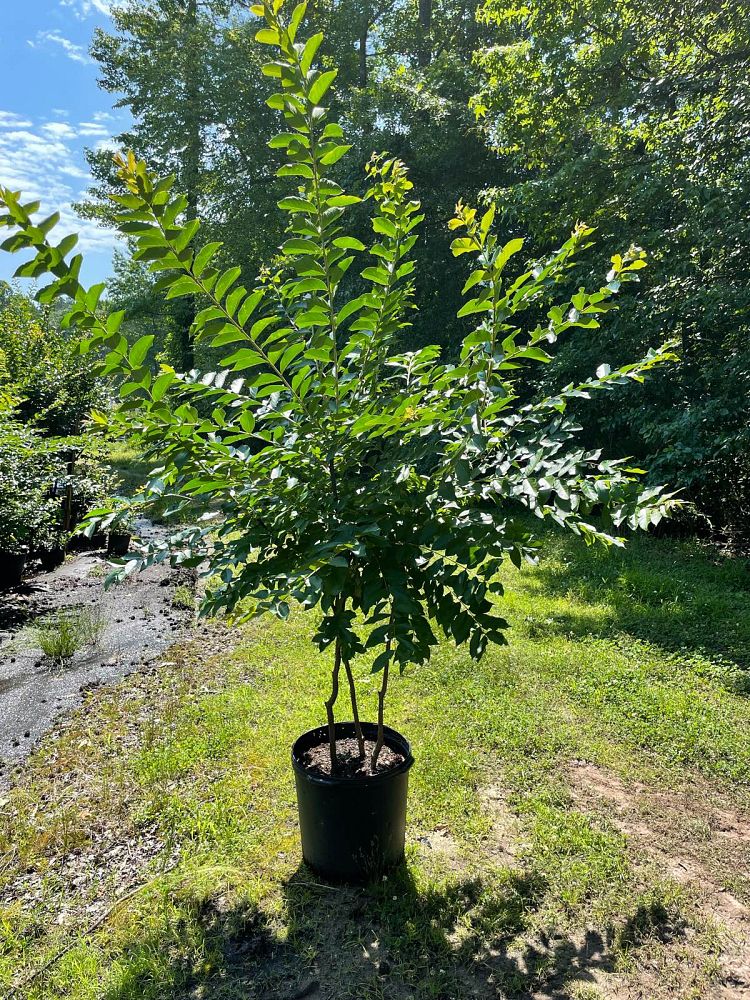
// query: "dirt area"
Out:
[698,837]
[138,621]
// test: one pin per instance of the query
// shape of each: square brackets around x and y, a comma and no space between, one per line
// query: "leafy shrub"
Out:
[56,386]
[28,516]
[34,474]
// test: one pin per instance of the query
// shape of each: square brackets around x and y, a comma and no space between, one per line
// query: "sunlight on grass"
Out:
[624,673]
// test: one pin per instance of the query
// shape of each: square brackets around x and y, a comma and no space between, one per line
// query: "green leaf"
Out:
[475,306]
[204,257]
[226,281]
[344,200]
[332,156]
[348,243]
[377,274]
[284,139]
[464,245]
[139,350]
[308,54]
[321,85]
[267,36]
[249,306]
[293,204]
[384,226]
[161,384]
[245,358]
[507,252]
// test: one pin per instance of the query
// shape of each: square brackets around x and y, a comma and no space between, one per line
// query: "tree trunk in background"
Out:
[363,53]
[186,312]
[424,55]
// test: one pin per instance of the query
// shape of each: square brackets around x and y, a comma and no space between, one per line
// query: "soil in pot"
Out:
[349,764]
[12,565]
[118,543]
[352,823]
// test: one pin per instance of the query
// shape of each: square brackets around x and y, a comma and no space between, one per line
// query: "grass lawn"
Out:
[579,818]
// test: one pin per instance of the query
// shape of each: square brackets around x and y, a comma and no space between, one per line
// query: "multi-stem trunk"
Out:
[355,709]
[330,703]
[337,661]
[381,700]
[381,706]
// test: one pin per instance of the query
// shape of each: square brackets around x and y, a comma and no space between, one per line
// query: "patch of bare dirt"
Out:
[72,849]
[349,763]
[503,837]
[137,622]
[697,837]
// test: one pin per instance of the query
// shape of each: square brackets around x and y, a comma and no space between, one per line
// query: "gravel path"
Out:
[139,623]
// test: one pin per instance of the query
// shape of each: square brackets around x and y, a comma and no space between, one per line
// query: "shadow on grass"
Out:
[391,940]
[680,596]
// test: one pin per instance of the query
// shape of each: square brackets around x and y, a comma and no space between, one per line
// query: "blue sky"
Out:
[51,110]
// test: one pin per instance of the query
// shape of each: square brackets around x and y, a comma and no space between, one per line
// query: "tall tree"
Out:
[634,115]
[186,70]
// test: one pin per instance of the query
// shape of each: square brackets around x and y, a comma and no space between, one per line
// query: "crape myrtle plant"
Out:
[382,487]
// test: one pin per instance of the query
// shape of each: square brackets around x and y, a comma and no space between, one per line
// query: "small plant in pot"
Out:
[50,546]
[381,489]
[15,534]
[28,516]
[28,524]
[115,522]
[120,525]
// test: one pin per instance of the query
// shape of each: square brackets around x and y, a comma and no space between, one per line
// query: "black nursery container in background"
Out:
[12,566]
[118,543]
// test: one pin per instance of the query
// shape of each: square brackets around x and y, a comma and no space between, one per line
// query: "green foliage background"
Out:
[633,117]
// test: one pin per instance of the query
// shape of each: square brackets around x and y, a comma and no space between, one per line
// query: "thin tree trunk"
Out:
[186,313]
[355,709]
[424,54]
[381,704]
[330,703]
[362,52]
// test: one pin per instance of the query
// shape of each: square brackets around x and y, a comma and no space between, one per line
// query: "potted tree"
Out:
[28,516]
[14,537]
[119,523]
[381,487]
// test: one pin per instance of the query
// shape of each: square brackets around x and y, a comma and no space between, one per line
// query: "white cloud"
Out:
[71,170]
[75,52]
[107,146]
[59,130]
[45,165]
[8,119]
[85,8]
[92,129]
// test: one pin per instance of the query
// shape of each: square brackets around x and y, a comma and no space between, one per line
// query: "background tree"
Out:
[187,70]
[635,116]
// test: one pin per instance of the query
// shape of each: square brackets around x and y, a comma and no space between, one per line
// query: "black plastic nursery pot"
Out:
[12,565]
[52,558]
[352,828]
[81,543]
[118,543]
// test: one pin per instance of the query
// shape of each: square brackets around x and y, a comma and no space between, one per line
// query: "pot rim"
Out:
[393,739]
